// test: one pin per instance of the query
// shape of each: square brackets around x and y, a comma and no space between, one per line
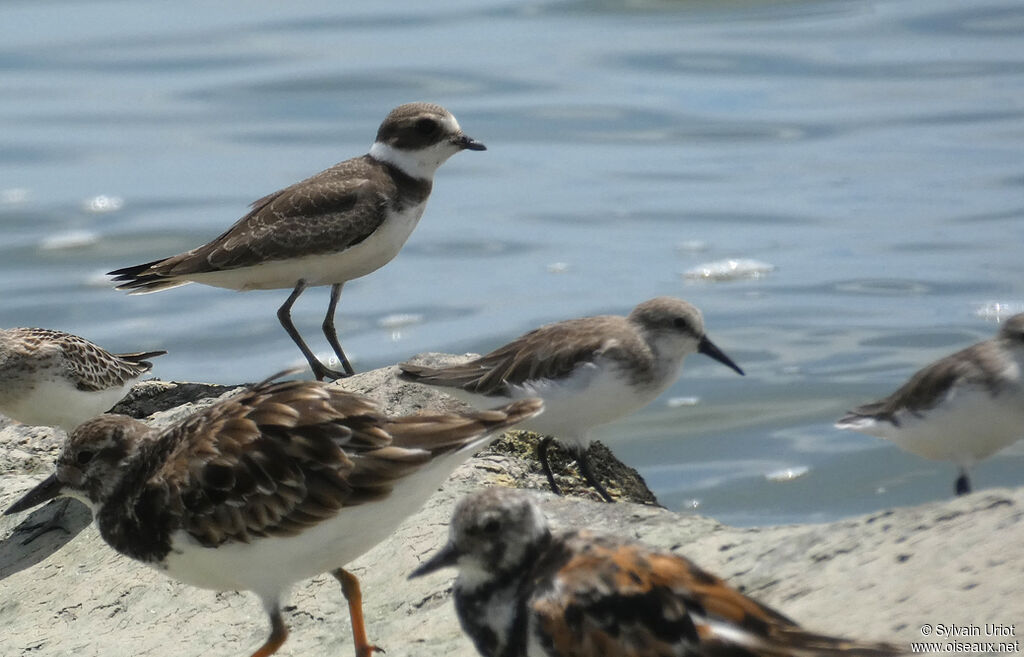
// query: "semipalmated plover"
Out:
[338,225]
[525,591]
[280,483]
[962,408]
[588,371]
[53,378]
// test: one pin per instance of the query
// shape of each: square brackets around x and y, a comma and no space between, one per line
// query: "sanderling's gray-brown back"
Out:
[588,371]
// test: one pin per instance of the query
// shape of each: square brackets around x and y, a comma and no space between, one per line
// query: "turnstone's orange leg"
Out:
[278,634]
[350,587]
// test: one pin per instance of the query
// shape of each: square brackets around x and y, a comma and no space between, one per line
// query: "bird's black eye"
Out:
[84,457]
[426,126]
[680,323]
[491,527]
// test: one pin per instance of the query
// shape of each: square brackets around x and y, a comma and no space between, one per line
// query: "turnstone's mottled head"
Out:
[491,533]
[91,463]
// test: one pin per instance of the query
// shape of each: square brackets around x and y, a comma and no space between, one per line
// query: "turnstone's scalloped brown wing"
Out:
[283,456]
[551,352]
[270,461]
[618,599]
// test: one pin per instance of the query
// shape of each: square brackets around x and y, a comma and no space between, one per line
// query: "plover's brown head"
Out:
[418,138]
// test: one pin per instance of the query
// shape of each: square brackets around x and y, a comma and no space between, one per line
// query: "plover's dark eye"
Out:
[491,527]
[426,126]
[680,323]
[84,457]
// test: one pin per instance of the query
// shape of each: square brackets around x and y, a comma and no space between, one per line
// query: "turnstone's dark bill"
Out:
[278,484]
[588,371]
[52,378]
[340,224]
[524,591]
[962,408]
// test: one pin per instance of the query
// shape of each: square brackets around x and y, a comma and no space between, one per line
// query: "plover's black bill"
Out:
[468,143]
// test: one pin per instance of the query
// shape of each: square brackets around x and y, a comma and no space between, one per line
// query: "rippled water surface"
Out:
[868,153]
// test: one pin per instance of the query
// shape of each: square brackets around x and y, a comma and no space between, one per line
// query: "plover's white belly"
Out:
[55,401]
[966,427]
[594,394]
[270,565]
[326,269]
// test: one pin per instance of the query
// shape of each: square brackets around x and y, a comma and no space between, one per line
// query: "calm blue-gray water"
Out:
[869,154]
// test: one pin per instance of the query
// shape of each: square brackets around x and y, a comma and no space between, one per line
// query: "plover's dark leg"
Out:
[588,474]
[542,454]
[331,334]
[354,596]
[963,484]
[278,632]
[284,315]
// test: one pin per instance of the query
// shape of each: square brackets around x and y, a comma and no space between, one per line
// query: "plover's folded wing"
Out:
[312,217]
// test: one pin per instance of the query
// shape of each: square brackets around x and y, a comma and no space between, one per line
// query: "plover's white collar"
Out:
[341,224]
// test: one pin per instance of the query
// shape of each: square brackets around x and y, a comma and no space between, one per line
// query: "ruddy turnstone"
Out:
[525,591]
[53,378]
[588,371]
[280,483]
[962,408]
[338,225]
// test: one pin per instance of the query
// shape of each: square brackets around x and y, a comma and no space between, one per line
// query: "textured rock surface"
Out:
[879,576]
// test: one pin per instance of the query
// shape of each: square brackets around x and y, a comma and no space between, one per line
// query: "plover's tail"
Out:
[449,432]
[142,279]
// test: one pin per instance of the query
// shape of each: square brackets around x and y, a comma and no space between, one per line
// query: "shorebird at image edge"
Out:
[58,379]
[962,408]
[336,226]
[278,484]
